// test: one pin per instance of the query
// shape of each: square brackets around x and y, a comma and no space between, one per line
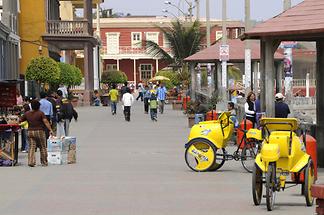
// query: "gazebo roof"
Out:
[305,20]
[236,52]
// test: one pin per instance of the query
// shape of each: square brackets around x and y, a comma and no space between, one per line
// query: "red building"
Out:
[123,47]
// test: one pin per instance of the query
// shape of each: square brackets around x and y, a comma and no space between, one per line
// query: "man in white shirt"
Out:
[127,100]
[64,90]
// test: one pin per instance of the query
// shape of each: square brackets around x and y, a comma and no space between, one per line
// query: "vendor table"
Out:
[9,134]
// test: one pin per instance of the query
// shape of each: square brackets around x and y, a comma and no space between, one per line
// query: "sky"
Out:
[260,9]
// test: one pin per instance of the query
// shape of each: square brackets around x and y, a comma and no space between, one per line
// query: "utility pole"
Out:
[288,63]
[197,9]
[247,62]
[207,23]
[287,4]
[224,42]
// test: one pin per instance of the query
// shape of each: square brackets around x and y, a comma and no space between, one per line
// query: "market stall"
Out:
[9,128]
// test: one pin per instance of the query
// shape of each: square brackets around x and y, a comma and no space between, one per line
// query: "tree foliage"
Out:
[174,79]
[70,75]
[43,70]
[185,40]
[113,76]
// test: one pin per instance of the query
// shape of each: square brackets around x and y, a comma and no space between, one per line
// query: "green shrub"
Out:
[43,70]
[113,76]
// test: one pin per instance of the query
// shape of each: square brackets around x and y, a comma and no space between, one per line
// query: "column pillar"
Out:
[279,70]
[157,65]
[134,71]
[269,79]
[193,81]
[255,72]
[88,14]
[88,72]
[268,48]
[118,64]
[320,102]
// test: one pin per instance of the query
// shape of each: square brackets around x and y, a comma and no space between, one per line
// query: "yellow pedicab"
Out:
[282,153]
[205,150]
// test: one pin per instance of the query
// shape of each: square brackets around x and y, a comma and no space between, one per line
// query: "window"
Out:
[146,71]
[110,67]
[219,35]
[136,40]
[153,36]
[112,43]
[166,42]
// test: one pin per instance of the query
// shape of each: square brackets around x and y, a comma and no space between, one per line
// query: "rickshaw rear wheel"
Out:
[309,180]
[248,155]
[205,146]
[271,185]
[257,185]
[219,160]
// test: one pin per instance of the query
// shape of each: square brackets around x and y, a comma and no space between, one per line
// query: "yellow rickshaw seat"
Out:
[283,143]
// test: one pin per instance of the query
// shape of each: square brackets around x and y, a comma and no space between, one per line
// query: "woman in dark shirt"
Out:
[249,107]
[37,122]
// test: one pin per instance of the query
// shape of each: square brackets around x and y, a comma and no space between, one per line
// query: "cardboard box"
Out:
[54,144]
[57,158]
[69,143]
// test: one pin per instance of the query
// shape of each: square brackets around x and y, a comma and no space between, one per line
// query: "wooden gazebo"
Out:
[304,22]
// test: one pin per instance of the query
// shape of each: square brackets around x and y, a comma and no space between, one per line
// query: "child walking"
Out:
[153,107]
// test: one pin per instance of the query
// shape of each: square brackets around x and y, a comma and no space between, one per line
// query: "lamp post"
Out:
[190,9]
[224,43]
[247,62]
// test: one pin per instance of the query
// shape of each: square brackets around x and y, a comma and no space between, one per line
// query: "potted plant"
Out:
[190,112]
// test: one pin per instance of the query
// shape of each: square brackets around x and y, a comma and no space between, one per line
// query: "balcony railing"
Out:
[68,28]
[127,50]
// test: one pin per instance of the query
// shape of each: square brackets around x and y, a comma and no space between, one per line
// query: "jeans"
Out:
[113,107]
[140,95]
[67,127]
[146,105]
[153,113]
[161,106]
[60,132]
[127,112]
[24,140]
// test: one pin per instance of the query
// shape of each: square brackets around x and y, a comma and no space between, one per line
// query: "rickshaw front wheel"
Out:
[271,186]
[257,185]
[309,180]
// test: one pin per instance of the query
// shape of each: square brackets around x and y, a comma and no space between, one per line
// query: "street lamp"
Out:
[166,11]
[179,9]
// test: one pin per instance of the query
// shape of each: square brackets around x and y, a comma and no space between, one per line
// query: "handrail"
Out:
[68,28]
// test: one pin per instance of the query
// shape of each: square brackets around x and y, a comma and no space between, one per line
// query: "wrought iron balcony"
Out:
[68,28]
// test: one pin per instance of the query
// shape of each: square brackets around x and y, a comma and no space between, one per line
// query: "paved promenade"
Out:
[133,168]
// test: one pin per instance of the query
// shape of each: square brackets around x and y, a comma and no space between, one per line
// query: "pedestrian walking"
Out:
[140,89]
[249,107]
[127,100]
[281,108]
[65,113]
[161,96]
[123,89]
[153,107]
[113,93]
[47,108]
[51,98]
[147,96]
[37,121]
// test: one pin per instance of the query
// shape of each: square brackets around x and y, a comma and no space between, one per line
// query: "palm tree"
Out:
[185,40]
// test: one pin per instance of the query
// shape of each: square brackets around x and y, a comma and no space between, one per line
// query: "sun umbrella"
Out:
[159,78]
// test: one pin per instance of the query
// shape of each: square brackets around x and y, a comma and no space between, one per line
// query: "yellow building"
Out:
[32,25]
[44,31]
